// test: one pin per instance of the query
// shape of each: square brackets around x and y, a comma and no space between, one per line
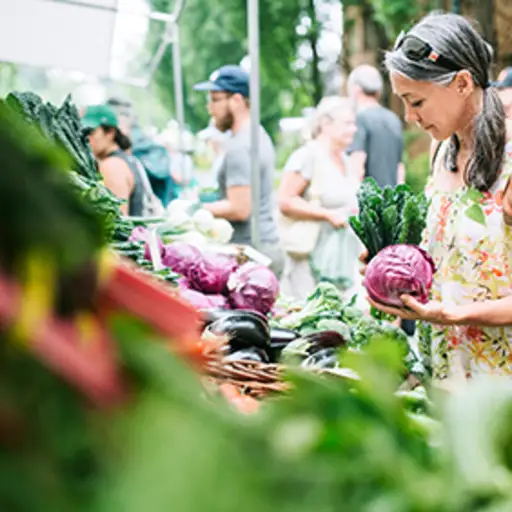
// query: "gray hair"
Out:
[368,79]
[330,108]
[454,37]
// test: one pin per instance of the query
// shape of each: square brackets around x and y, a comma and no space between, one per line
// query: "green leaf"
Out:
[472,194]
[475,213]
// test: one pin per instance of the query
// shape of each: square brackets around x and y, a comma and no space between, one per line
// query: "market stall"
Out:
[113,388]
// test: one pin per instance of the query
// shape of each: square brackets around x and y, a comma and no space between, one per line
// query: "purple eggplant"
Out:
[324,339]
[279,338]
[243,329]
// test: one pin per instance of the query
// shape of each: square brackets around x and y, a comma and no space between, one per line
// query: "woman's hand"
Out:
[337,218]
[363,258]
[432,312]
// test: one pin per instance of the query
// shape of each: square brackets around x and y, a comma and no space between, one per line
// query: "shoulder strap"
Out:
[141,172]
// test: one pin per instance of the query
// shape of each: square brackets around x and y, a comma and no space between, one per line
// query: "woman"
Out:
[440,70]
[120,171]
[322,164]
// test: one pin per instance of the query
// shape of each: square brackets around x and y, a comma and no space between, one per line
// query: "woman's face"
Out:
[439,110]
[341,128]
[100,141]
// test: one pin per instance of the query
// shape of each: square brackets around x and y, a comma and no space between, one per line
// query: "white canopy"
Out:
[52,34]
[88,36]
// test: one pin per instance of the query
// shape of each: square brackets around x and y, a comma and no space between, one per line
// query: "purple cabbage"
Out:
[218,302]
[197,299]
[182,258]
[253,287]
[204,302]
[398,270]
[212,273]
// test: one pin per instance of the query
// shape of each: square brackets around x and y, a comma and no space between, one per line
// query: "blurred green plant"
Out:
[417,172]
[222,29]
[417,164]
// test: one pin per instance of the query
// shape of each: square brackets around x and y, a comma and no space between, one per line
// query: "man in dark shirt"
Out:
[378,144]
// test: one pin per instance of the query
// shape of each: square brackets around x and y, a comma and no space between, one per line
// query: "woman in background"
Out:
[323,159]
[109,145]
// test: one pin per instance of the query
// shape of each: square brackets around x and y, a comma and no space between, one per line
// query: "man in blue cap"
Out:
[228,105]
[504,86]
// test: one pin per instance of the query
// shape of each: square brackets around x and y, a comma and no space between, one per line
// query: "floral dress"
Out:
[472,248]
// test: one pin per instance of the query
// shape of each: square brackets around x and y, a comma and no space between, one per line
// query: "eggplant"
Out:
[326,357]
[248,354]
[324,339]
[282,335]
[212,315]
[279,338]
[243,329]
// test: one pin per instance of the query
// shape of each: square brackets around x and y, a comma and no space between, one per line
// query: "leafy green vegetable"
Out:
[326,298]
[388,216]
[42,213]
[62,126]
[325,310]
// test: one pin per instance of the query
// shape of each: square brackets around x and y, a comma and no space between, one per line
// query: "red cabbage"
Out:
[398,270]
[181,257]
[197,299]
[218,302]
[201,301]
[254,287]
[212,273]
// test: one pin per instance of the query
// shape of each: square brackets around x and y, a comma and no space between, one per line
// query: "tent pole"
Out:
[178,94]
[254,55]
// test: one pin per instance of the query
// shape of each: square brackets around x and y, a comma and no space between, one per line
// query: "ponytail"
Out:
[122,140]
[489,138]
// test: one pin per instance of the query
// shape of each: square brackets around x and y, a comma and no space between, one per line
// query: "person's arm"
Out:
[296,178]
[237,205]
[358,163]
[491,313]
[487,313]
[400,178]
[118,179]
[291,203]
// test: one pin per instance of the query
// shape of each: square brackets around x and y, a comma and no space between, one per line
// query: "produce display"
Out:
[102,410]
[188,222]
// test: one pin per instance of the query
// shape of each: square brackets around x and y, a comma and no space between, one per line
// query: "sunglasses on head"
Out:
[417,50]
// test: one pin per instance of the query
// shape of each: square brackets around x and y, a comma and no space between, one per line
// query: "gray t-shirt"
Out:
[379,135]
[236,171]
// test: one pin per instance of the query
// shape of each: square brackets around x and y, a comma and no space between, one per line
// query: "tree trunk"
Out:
[316,79]
[483,12]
